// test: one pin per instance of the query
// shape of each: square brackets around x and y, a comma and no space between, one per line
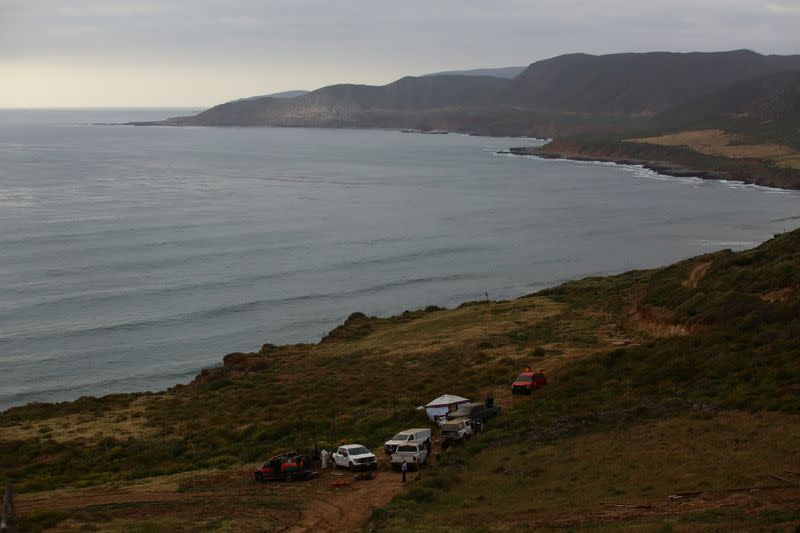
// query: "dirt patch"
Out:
[656,322]
[348,507]
[696,274]
[781,295]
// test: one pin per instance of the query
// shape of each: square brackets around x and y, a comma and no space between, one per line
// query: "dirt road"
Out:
[230,499]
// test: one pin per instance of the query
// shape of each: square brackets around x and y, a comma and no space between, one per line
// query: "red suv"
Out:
[527,382]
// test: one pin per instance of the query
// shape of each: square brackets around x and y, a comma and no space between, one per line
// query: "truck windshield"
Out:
[400,436]
[525,378]
[357,450]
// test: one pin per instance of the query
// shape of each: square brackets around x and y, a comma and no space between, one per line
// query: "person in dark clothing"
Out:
[489,401]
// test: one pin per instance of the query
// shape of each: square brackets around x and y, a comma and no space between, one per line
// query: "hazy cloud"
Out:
[261,46]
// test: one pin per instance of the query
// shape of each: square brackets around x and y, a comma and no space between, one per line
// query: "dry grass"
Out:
[449,329]
[720,143]
[120,423]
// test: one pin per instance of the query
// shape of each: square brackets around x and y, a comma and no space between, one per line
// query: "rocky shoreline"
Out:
[666,168]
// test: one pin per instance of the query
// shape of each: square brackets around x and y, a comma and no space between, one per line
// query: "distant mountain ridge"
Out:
[500,72]
[282,94]
[350,105]
[564,95]
[636,82]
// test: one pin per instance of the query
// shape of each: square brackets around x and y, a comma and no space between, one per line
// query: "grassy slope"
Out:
[653,375]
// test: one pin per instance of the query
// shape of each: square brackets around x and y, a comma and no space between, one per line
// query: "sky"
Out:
[197,53]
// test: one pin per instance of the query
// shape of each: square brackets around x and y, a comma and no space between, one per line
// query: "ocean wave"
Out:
[16,197]
[94,387]
[734,184]
[786,219]
[217,312]
[106,295]
[46,237]
[727,244]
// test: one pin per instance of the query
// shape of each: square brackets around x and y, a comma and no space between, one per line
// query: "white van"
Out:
[415,435]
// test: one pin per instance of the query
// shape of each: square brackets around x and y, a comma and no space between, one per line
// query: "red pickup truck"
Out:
[527,382]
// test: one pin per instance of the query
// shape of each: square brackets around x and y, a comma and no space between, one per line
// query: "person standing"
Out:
[404,469]
[9,522]
[324,457]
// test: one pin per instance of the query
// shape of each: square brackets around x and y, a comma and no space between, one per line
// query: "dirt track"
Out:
[349,507]
[313,505]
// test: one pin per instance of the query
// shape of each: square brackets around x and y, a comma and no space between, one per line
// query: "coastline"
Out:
[570,152]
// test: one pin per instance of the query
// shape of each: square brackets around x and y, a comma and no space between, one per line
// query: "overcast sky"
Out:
[95,53]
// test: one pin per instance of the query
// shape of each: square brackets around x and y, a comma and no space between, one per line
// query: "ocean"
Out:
[132,257]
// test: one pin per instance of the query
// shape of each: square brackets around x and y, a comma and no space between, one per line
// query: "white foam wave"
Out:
[727,244]
[16,197]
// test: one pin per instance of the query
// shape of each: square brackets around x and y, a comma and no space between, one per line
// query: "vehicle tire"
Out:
[374,467]
[290,477]
[350,466]
[259,476]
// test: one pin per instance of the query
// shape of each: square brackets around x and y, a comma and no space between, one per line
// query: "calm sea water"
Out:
[132,257]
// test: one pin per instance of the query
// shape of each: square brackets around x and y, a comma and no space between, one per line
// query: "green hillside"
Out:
[761,109]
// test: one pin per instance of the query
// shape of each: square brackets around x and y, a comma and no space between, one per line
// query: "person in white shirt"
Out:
[324,457]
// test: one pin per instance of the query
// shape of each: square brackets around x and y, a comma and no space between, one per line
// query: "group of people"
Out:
[323,456]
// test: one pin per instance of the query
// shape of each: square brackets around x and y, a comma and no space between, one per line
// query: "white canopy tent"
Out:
[439,407]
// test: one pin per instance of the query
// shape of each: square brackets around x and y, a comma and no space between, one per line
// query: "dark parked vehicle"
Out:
[477,412]
[286,467]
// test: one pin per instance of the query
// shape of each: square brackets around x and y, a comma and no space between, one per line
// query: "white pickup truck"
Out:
[354,457]
[414,454]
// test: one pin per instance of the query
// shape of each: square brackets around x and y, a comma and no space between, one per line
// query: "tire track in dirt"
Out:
[349,507]
[696,275]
